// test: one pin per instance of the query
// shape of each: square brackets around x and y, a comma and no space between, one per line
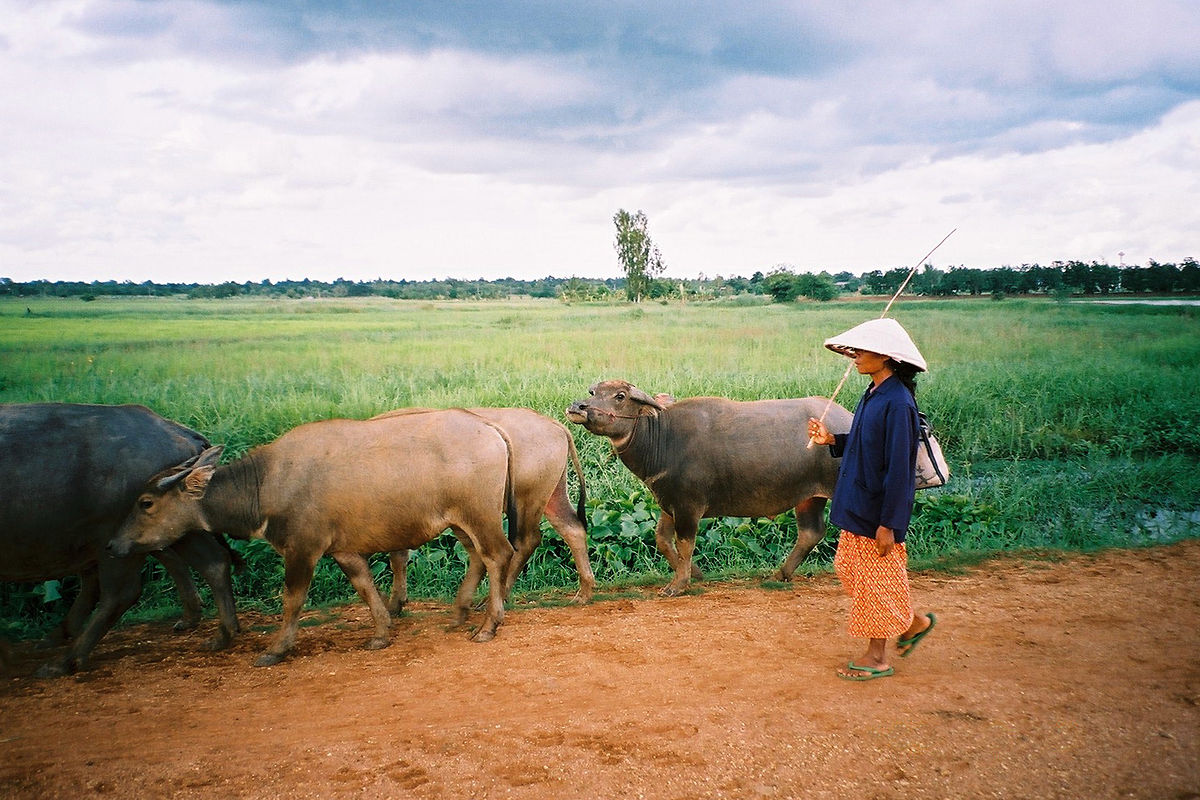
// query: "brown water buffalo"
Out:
[542,451]
[345,488]
[714,457]
[68,475]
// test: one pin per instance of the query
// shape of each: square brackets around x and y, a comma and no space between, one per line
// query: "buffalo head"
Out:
[168,507]
[612,407]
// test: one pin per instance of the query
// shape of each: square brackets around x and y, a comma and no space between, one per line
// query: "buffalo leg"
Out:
[524,543]
[471,580]
[664,539]
[189,598]
[667,540]
[77,616]
[564,519]
[495,556]
[297,577]
[210,557]
[683,546]
[120,583]
[497,564]
[810,529]
[359,572]
[399,596]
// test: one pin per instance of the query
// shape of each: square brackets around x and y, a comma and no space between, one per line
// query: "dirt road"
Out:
[1044,679]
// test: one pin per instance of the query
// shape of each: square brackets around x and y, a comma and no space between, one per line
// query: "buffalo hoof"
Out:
[52,669]
[483,635]
[377,643]
[184,625]
[671,590]
[268,660]
[219,642]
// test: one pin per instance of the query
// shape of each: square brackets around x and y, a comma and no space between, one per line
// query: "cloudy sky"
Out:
[213,140]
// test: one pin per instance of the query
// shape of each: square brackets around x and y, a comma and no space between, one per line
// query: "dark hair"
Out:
[907,374]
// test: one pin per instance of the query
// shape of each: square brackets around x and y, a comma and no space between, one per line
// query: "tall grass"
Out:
[1067,425]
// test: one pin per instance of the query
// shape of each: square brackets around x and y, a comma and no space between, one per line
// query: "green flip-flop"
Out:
[911,644]
[871,673]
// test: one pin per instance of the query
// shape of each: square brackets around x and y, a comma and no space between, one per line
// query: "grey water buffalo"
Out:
[346,488]
[542,451]
[68,475]
[713,457]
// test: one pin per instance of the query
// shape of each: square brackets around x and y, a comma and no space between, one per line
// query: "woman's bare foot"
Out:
[871,664]
[922,624]
[855,671]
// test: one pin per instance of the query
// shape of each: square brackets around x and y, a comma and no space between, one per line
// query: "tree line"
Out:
[447,289]
[782,283]
[1075,277]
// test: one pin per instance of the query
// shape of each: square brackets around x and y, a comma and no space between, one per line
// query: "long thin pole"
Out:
[886,308]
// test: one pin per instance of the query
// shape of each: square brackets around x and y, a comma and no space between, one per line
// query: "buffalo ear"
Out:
[196,481]
[170,477]
[645,399]
[194,473]
[209,457]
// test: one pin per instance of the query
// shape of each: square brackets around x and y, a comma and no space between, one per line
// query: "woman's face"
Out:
[869,363]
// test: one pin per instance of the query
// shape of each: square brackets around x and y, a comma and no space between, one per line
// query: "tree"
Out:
[927,282]
[781,284]
[1079,275]
[1189,275]
[847,281]
[785,286]
[639,257]
[1106,277]
[817,287]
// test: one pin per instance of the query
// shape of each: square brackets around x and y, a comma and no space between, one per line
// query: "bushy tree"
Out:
[1189,275]
[817,287]
[781,285]
[639,257]
[785,286]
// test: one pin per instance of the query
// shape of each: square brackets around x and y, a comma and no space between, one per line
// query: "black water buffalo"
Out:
[68,476]
[714,457]
[346,488]
[542,451]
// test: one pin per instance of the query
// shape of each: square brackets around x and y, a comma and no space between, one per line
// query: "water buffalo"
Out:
[344,488]
[69,475]
[542,451]
[714,457]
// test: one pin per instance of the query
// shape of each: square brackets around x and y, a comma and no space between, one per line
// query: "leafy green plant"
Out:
[1067,425]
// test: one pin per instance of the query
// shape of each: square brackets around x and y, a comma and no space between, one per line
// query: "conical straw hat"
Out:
[884,336]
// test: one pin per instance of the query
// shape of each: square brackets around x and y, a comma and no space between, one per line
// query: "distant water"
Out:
[1142,302]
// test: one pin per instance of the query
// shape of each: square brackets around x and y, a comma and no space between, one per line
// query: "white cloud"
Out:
[132,149]
[1084,202]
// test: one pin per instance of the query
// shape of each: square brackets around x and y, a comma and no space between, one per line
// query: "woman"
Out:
[872,502]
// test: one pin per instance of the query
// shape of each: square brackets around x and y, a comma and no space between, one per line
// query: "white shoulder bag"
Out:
[932,469]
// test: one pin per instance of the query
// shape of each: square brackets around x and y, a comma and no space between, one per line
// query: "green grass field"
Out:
[1068,426]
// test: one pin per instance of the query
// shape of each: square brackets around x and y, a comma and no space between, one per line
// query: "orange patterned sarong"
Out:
[878,586]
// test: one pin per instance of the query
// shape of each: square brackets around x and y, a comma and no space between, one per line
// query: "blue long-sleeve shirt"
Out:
[877,479]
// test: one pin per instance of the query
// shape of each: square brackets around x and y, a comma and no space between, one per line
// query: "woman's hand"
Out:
[818,432]
[885,540]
